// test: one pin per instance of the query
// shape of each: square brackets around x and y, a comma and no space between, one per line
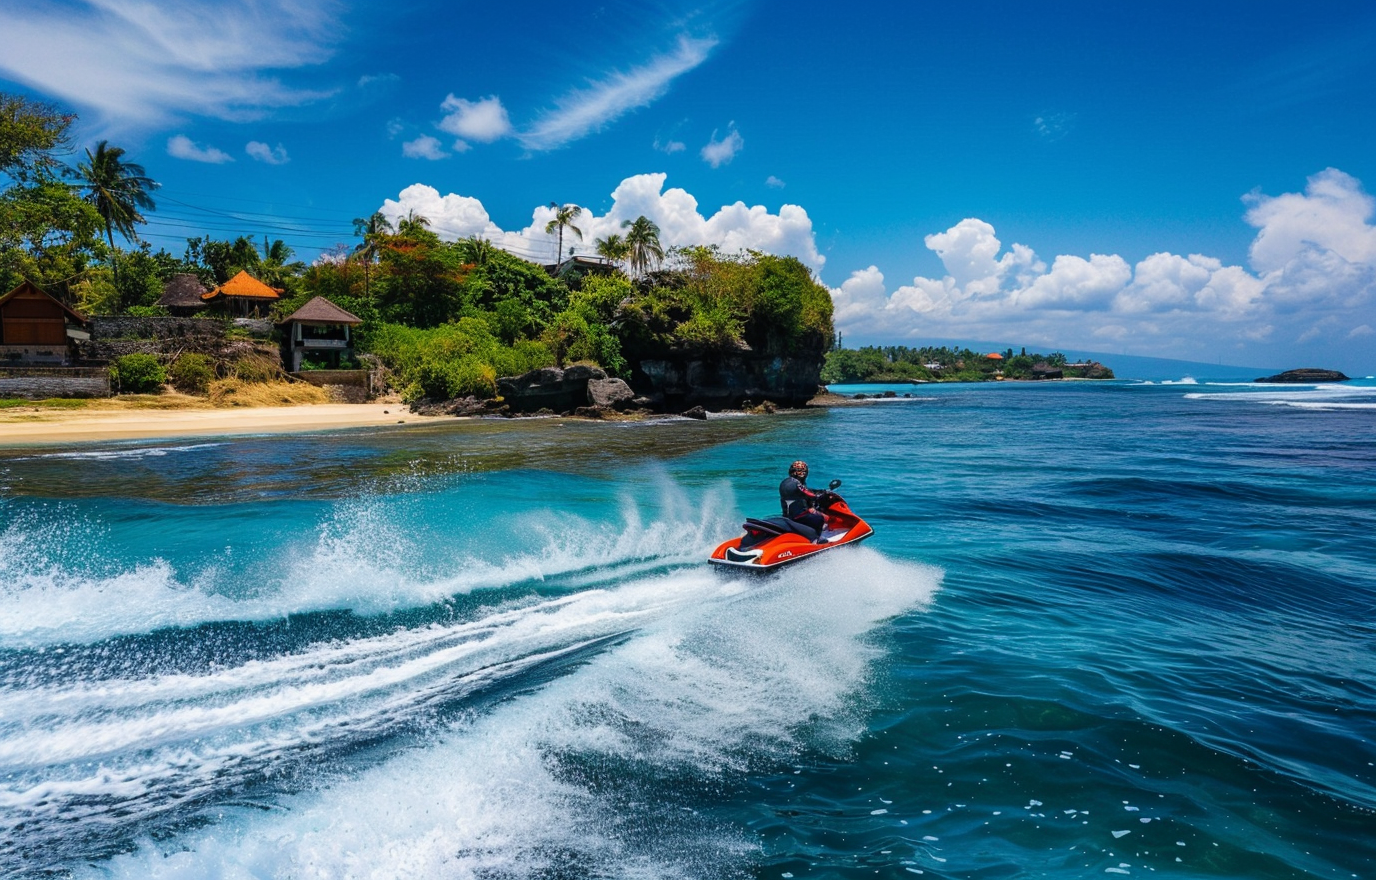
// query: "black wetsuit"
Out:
[799,504]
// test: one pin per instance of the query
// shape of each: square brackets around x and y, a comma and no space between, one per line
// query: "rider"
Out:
[798,501]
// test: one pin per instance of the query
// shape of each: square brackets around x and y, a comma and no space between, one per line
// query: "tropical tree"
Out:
[564,215]
[374,230]
[117,189]
[273,268]
[32,135]
[613,248]
[475,250]
[642,241]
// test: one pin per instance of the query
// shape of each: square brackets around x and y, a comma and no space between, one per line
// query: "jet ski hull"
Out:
[758,550]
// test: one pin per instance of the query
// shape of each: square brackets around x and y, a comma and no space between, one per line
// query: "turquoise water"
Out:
[1119,628]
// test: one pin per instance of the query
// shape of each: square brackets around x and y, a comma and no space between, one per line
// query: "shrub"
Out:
[192,373]
[453,360]
[138,374]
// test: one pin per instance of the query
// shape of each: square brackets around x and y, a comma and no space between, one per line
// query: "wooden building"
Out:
[243,296]
[319,330]
[35,328]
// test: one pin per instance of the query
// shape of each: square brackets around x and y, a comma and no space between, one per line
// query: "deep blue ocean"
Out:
[1113,628]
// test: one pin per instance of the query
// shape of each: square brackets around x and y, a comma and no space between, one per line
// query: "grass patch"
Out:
[235,392]
[50,403]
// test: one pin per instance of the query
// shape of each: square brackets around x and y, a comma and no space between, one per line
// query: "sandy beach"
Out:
[27,426]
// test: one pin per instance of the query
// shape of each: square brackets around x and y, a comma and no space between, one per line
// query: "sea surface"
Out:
[1120,628]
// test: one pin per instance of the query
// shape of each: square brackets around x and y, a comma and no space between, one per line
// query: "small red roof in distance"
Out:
[243,284]
[321,311]
[995,356]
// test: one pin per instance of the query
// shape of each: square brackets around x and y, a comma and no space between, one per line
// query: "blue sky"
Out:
[1184,180]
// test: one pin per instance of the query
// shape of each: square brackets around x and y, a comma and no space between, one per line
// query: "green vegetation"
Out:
[447,318]
[138,374]
[192,373]
[898,363]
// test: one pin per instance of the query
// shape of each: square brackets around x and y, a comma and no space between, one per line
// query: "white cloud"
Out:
[774,182]
[395,127]
[670,146]
[584,111]
[377,79]
[720,152]
[484,120]
[734,227]
[423,147]
[182,147]
[1313,276]
[264,153]
[141,64]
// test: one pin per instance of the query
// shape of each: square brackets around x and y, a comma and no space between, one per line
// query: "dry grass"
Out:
[235,392]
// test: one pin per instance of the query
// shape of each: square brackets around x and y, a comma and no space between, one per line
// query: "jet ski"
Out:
[777,541]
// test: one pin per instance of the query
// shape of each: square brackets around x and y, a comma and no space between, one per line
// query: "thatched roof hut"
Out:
[182,295]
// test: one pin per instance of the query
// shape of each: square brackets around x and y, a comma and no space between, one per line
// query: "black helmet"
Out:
[798,469]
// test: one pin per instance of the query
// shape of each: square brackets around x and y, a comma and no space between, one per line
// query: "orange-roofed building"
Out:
[243,296]
[995,356]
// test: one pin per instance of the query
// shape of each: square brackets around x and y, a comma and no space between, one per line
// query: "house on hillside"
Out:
[320,331]
[182,296]
[36,329]
[243,296]
[582,265]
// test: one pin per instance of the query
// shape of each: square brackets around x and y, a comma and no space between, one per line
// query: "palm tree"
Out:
[373,229]
[613,248]
[563,216]
[476,250]
[273,268]
[642,240]
[117,189]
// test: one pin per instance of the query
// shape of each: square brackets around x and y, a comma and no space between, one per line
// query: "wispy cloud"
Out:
[182,147]
[264,153]
[144,63]
[670,146]
[377,79]
[584,111]
[720,152]
[774,182]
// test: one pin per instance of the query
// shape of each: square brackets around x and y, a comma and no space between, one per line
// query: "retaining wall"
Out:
[41,383]
[354,386]
[120,327]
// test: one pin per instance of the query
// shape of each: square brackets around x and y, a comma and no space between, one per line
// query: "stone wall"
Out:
[351,386]
[113,327]
[41,355]
[116,336]
[41,383]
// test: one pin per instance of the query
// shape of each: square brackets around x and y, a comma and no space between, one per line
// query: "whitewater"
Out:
[1116,628]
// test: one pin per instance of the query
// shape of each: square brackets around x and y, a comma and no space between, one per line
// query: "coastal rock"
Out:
[590,412]
[613,393]
[696,412]
[718,380]
[1306,375]
[549,389]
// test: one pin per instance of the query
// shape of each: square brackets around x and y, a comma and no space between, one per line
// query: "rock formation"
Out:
[1305,376]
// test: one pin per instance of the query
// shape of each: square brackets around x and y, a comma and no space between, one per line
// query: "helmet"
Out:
[798,469]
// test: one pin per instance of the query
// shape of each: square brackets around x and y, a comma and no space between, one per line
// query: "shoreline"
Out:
[39,426]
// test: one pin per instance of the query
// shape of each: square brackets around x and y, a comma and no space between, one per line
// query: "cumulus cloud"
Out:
[423,147]
[263,153]
[145,63]
[774,182]
[720,152]
[1312,276]
[733,227]
[182,147]
[484,120]
[584,111]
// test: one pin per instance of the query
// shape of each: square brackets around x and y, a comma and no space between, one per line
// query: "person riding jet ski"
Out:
[799,503]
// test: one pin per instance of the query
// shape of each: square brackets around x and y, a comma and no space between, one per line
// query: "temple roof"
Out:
[183,291]
[321,311]
[244,284]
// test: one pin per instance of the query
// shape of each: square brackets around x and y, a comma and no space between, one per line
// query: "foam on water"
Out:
[722,675]
[360,560]
[1316,397]
[120,454]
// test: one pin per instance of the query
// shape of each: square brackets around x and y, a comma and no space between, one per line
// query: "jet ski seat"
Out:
[757,531]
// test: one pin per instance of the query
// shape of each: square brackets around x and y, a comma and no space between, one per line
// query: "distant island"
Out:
[1304,376]
[898,363]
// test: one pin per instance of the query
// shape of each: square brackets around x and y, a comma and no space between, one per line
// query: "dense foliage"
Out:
[446,317]
[898,363]
[138,374]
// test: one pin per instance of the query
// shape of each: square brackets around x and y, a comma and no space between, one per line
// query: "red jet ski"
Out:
[777,541]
